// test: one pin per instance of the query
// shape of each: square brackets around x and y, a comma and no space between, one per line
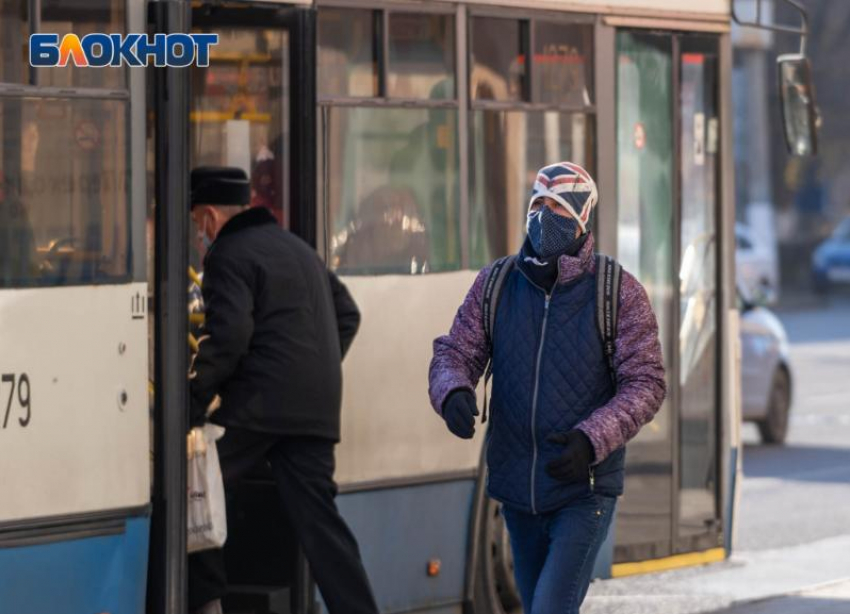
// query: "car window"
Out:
[842,232]
[742,242]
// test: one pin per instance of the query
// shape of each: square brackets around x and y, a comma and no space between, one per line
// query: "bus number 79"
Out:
[22,384]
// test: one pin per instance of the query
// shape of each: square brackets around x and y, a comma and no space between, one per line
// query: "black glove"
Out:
[574,463]
[459,411]
[197,414]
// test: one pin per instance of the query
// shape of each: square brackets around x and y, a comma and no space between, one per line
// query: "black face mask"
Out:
[552,234]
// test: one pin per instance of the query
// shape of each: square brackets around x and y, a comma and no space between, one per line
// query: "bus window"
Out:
[348,64]
[698,315]
[507,149]
[562,66]
[14,29]
[645,163]
[422,56]
[240,112]
[65,192]
[394,207]
[497,60]
[62,17]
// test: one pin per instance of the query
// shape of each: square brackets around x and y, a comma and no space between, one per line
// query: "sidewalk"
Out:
[830,599]
[747,580]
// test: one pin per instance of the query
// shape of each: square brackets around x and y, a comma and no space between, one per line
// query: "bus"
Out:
[401,140]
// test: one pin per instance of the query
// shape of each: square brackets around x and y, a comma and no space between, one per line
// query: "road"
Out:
[793,525]
[800,492]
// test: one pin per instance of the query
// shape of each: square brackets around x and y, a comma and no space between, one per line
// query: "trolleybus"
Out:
[399,138]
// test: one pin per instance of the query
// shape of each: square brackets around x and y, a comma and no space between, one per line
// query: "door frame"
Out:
[606,49]
[300,23]
[171,100]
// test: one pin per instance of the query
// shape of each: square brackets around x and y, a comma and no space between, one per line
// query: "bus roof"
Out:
[714,8]
[716,14]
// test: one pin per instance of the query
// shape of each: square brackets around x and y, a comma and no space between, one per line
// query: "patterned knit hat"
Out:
[569,185]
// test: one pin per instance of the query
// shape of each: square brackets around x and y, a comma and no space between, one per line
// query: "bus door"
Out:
[668,210]
[253,108]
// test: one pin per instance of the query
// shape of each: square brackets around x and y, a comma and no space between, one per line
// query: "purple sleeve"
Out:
[461,356]
[640,374]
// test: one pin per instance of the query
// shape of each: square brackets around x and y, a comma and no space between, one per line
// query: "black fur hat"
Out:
[219,185]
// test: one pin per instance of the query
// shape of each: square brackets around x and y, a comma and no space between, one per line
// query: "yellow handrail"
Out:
[195,318]
[194,277]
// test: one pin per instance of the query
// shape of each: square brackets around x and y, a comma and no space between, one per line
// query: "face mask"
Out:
[552,234]
[203,237]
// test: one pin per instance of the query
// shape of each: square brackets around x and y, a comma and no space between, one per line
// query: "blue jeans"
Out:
[554,553]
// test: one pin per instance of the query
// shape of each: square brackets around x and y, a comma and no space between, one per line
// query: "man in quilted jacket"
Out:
[560,413]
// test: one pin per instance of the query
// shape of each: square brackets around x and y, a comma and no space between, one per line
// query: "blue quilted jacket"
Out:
[549,374]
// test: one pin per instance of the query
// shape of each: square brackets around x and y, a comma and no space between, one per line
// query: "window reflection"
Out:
[645,165]
[14,41]
[64,192]
[563,63]
[348,64]
[508,147]
[422,56]
[497,64]
[240,112]
[392,200]
[698,289]
[81,18]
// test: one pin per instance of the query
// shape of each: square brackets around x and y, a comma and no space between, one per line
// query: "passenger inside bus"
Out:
[18,259]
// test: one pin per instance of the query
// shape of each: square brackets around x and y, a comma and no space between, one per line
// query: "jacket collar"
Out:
[255,216]
[571,268]
[567,268]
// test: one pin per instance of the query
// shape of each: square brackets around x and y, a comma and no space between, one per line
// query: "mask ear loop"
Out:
[531,216]
[205,238]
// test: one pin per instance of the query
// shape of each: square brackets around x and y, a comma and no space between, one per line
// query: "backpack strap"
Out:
[608,279]
[489,303]
[492,292]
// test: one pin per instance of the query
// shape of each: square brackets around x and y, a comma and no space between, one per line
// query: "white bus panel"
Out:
[74,423]
[389,429]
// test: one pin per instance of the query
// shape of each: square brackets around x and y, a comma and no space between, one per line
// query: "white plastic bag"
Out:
[205,508]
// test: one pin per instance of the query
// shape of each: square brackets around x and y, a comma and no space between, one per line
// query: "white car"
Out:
[765,371]
[758,271]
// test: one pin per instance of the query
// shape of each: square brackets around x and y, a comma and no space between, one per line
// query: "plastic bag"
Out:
[206,511]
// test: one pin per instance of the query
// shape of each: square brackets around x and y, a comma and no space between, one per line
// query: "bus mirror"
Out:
[799,115]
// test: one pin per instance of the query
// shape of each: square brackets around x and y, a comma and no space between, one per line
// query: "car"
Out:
[831,259]
[757,265]
[766,384]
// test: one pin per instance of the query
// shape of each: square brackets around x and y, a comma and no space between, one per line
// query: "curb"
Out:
[746,603]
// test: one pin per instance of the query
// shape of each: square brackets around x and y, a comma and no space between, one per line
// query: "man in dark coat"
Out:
[268,369]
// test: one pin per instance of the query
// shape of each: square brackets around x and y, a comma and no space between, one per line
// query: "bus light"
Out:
[434,568]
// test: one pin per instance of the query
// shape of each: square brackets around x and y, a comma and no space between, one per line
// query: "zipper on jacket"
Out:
[534,400]
[592,479]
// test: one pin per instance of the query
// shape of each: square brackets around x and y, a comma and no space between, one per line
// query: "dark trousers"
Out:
[554,552]
[303,468]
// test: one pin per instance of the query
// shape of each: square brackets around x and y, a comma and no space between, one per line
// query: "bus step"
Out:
[248,599]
